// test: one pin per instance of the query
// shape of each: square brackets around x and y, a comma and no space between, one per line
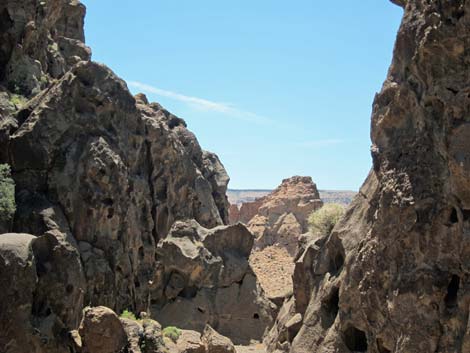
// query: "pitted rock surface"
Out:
[394,274]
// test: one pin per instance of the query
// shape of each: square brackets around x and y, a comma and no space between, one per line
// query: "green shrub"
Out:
[7,193]
[172,333]
[323,220]
[18,100]
[128,315]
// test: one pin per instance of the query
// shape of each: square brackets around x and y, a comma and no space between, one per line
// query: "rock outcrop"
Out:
[394,274]
[101,331]
[204,277]
[209,341]
[101,176]
[281,216]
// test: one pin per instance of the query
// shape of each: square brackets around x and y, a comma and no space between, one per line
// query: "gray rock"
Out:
[101,331]
[205,278]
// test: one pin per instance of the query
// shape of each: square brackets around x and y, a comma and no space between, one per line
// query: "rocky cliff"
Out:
[394,274]
[101,176]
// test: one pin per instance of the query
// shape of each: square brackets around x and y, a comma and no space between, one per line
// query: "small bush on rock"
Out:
[7,194]
[172,333]
[126,314]
[323,220]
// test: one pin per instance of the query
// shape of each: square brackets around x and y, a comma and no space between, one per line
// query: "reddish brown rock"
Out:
[233,214]
[281,216]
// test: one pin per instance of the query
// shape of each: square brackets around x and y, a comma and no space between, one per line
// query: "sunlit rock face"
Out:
[280,217]
[394,274]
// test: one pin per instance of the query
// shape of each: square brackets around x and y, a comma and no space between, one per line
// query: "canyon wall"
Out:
[394,275]
[101,177]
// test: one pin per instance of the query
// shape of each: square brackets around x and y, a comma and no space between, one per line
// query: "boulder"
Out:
[190,342]
[43,293]
[143,336]
[205,278]
[101,331]
[215,342]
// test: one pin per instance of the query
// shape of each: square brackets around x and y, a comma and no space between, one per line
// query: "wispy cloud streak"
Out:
[321,143]
[203,104]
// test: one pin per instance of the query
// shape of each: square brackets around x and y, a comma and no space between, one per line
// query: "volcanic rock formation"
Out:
[394,275]
[101,176]
[205,278]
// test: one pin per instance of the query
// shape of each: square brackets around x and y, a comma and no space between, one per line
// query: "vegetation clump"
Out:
[172,333]
[17,100]
[7,194]
[322,221]
[126,314]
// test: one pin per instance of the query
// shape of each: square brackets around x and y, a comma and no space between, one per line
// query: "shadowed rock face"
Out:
[402,284]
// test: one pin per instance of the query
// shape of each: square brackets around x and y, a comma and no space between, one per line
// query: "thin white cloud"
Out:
[203,104]
[321,143]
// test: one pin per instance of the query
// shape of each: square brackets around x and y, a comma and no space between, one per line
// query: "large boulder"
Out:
[101,331]
[42,293]
[394,274]
[205,278]
[215,342]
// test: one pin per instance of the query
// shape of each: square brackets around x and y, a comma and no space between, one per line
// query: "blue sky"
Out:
[276,88]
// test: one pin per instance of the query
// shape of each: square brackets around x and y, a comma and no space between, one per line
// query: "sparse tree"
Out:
[323,220]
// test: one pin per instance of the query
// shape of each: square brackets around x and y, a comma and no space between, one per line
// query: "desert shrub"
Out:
[126,314]
[172,333]
[323,220]
[17,100]
[7,193]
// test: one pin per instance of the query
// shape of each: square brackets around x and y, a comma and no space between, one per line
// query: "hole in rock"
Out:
[141,253]
[466,215]
[108,202]
[256,316]
[137,283]
[23,115]
[452,291]
[450,89]
[110,213]
[5,21]
[454,218]
[188,292]
[331,307]
[201,310]
[69,288]
[355,339]
[336,263]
